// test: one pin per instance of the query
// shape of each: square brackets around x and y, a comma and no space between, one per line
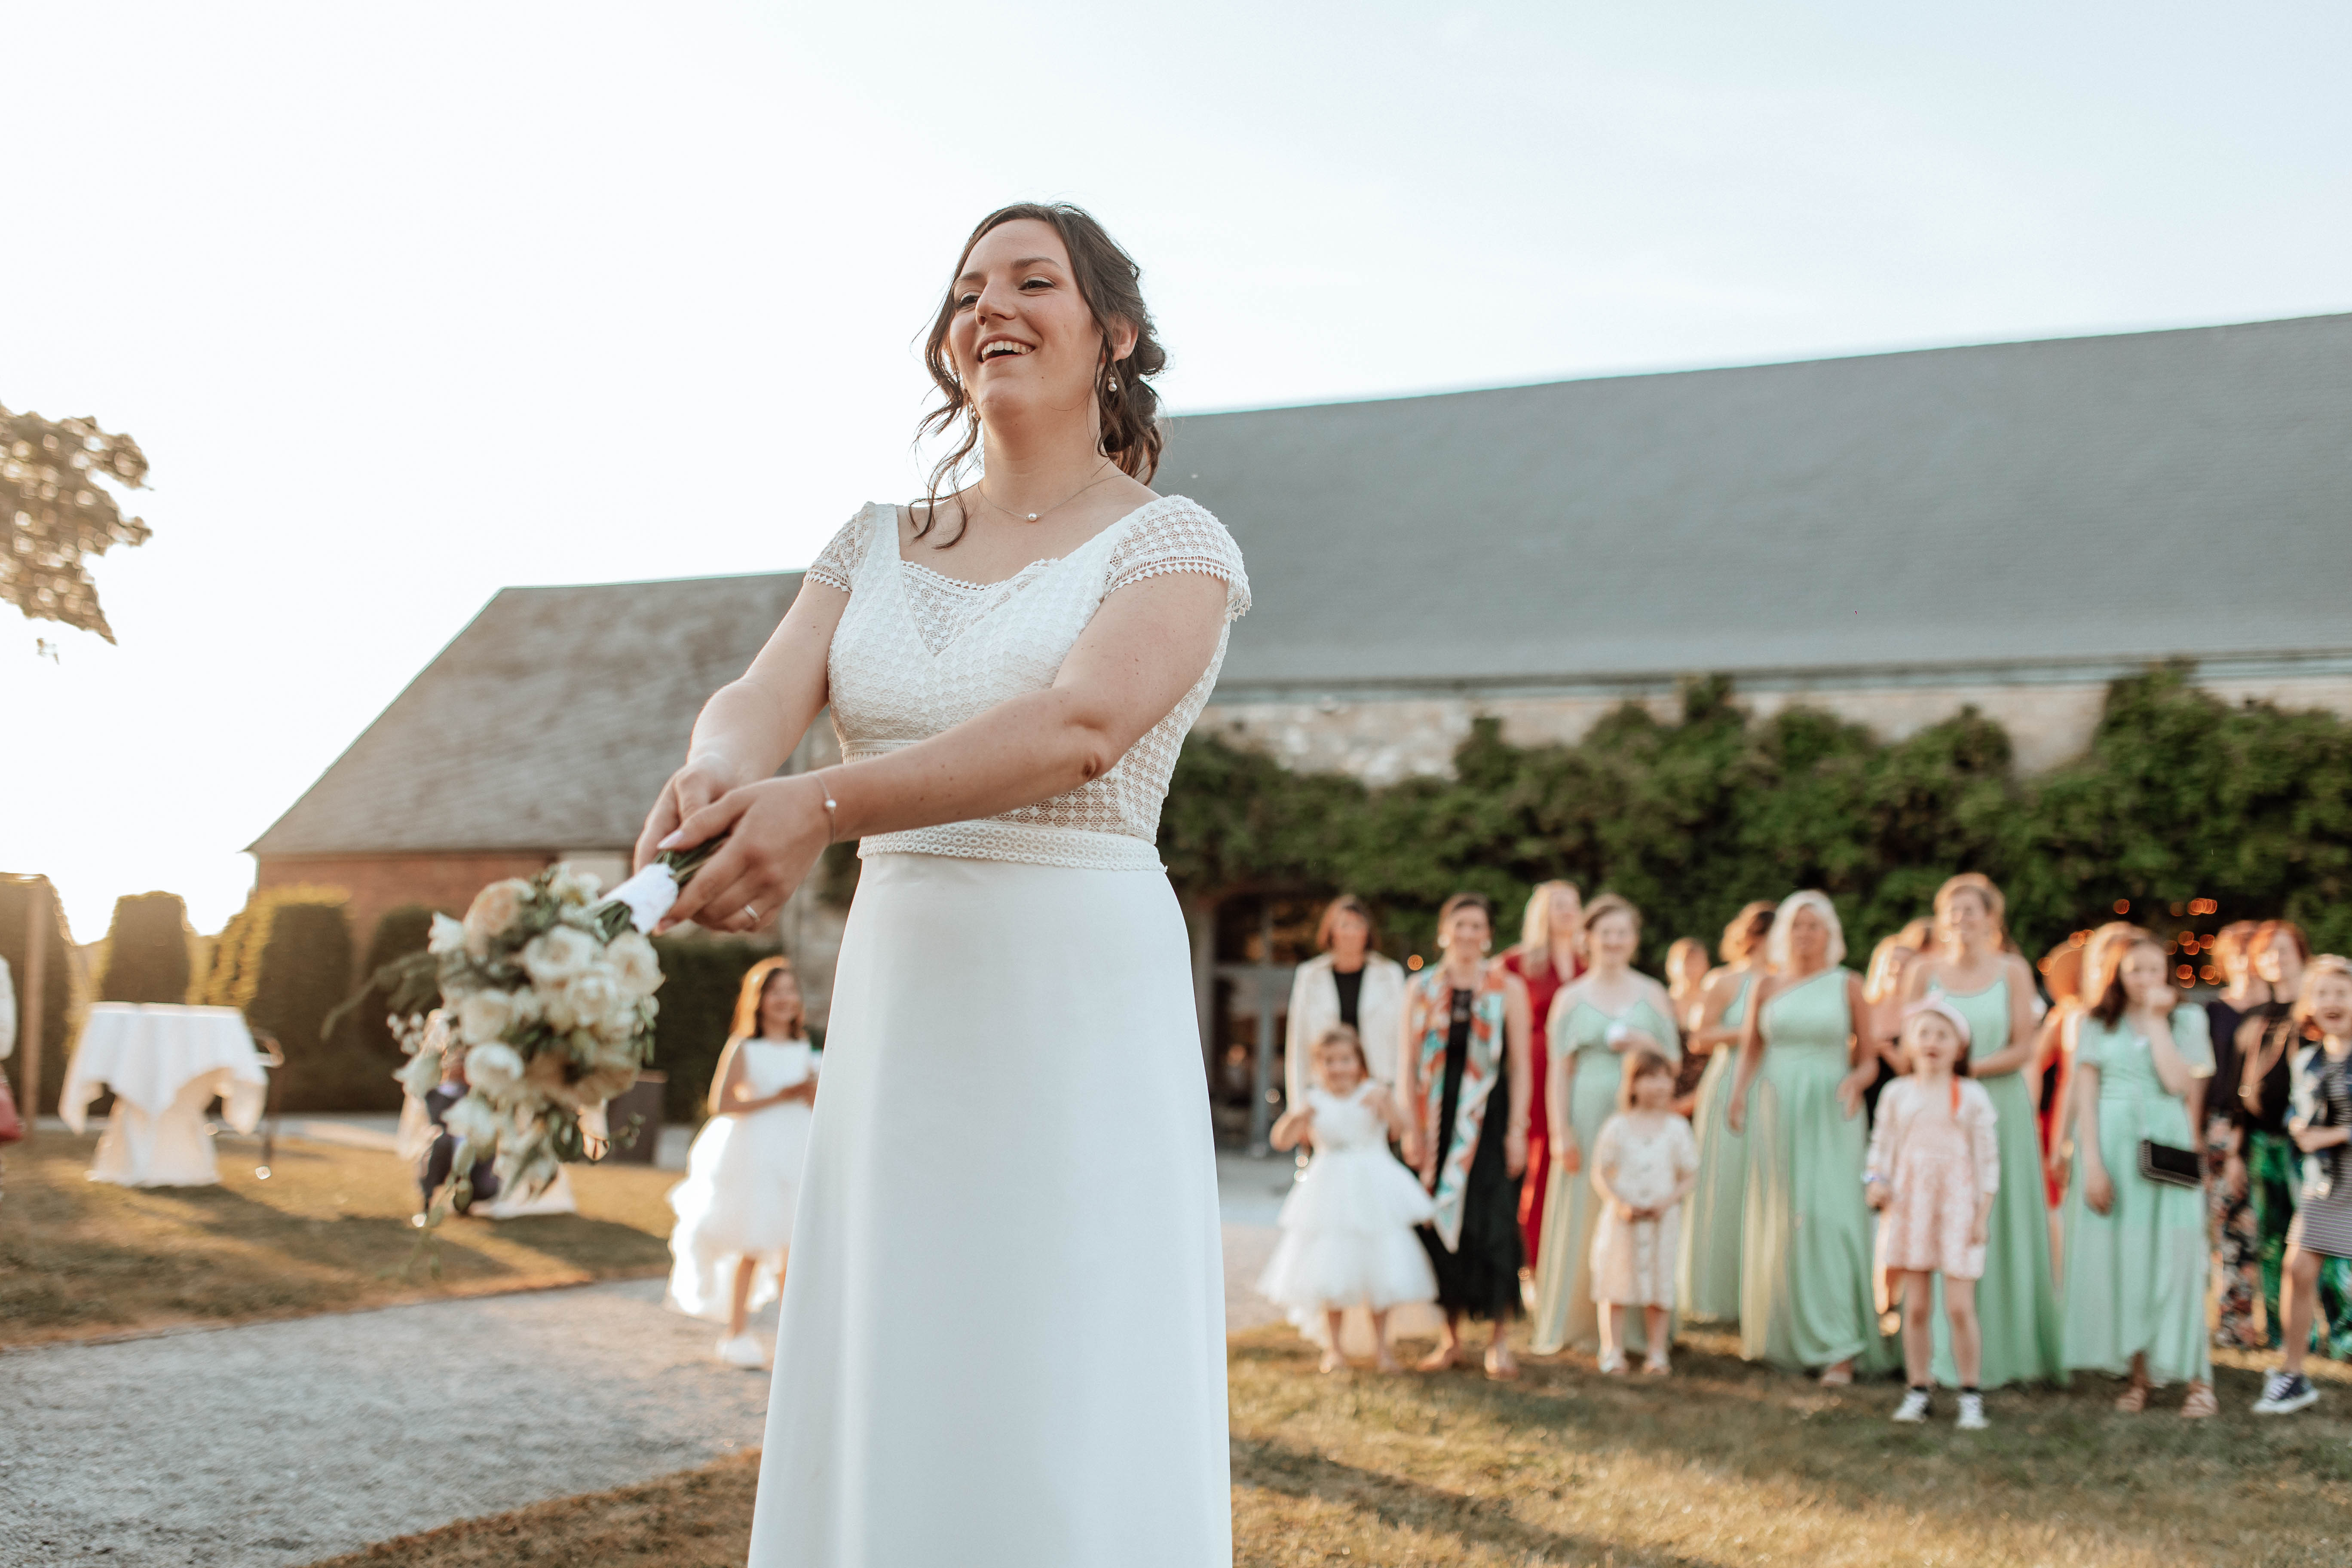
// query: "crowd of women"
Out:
[2113,1178]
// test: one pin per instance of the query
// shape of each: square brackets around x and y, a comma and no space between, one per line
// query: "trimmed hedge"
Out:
[147,950]
[2179,796]
[701,976]
[56,985]
[399,931]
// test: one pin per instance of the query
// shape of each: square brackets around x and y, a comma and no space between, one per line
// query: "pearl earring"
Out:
[1111,385]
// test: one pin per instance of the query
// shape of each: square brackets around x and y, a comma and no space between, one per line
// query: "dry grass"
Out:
[327,1231]
[1726,1465]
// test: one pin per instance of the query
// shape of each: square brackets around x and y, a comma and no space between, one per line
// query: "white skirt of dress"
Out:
[1348,1238]
[743,1180]
[1002,1335]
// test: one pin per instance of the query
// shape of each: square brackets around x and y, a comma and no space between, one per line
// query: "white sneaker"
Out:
[1972,1416]
[743,1350]
[1914,1407]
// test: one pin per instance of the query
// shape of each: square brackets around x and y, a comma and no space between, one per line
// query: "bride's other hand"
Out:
[702,781]
[776,827]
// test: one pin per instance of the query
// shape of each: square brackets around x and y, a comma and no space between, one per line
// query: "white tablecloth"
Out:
[165,1064]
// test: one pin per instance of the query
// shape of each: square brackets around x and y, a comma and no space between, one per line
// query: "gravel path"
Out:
[280,1444]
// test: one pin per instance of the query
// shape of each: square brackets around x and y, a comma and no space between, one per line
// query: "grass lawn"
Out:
[1725,1465]
[327,1231]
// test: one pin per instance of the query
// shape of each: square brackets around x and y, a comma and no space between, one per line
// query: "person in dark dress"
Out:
[2269,1043]
[435,1170]
[1466,1101]
[2237,1241]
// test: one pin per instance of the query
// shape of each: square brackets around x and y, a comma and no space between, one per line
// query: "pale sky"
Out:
[408,304]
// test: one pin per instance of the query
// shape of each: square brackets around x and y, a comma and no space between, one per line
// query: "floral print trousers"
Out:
[2272,1174]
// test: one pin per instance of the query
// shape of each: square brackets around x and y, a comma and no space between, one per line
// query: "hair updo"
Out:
[1110,283]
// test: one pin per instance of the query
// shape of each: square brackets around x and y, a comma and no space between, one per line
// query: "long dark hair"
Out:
[1110,283]
[2112,997]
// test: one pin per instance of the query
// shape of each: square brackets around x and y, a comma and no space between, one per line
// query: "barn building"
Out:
[1889,537]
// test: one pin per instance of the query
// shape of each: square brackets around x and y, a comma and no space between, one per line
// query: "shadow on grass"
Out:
[1407,1505]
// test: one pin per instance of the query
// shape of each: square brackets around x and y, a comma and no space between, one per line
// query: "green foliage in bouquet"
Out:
[2179,796]
[401,932]
[147,950]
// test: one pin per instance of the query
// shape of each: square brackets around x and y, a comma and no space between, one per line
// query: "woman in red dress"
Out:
[1550,954]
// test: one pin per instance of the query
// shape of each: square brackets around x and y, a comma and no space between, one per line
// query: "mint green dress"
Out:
[1565,1315]
[2136,1276]
[1806,1296]
[1706,1279]
[2017,1300]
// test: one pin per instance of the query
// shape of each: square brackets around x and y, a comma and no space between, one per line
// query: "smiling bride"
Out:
[1002,1336]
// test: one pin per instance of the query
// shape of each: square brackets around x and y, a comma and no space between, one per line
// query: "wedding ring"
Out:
[752,913]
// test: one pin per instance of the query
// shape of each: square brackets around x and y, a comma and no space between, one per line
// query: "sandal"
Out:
[2133,1399]
[1838,1376]
[2201,1403]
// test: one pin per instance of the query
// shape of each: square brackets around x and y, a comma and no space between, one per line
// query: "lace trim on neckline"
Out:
[1107,531]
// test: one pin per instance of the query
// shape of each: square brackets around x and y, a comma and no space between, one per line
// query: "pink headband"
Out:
[1937,1003]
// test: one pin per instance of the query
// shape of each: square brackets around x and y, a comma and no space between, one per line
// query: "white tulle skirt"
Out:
[1002,1336]
[742,1182]
[1347,1240]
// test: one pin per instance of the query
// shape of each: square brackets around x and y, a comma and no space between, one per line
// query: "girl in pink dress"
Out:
[1934,1168]
[1644,1164]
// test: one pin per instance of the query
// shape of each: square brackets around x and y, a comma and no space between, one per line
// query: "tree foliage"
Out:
[60,515]
[147,950]
[17,897]
[2179,796]
[701,976]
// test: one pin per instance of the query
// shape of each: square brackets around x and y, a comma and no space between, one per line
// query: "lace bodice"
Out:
[918,653]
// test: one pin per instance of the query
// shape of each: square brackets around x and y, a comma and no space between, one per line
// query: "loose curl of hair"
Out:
[1109,282]
[1750,926]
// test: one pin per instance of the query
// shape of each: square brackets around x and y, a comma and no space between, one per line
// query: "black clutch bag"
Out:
[2173,1167]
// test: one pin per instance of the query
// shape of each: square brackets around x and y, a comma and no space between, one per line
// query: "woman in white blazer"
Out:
[1346,982]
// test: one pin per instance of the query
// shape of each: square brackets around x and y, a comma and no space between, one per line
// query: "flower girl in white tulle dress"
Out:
[1348,1226]
[735,1207]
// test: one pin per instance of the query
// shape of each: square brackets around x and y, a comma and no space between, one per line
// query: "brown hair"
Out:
[2110,983]
[1110,283]
[2233,944]
[1641,1064]
[2269,931]
[1345,1035]
[1346,904]
[753,994]
[1465,900]
[1751,925]
[1611,904]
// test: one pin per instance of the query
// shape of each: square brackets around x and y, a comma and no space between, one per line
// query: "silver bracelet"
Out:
[831,806]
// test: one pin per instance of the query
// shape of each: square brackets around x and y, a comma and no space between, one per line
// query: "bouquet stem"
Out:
[644,899]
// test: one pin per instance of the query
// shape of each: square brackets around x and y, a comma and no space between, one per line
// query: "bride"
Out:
[1002,1336]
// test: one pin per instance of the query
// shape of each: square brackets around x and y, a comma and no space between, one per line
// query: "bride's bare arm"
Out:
[752,724]
[1134,662]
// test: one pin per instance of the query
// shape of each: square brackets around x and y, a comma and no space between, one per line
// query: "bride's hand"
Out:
[777,828]
[702,781]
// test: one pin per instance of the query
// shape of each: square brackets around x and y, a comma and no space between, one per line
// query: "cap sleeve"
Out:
[2090,1041]
[836,564]
[1174,534]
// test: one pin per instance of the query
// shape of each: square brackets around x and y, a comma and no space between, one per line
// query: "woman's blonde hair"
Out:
[1639,1065]
[2321,964]
[1996,907]
[1775,950]
[749,999]
[1534,926]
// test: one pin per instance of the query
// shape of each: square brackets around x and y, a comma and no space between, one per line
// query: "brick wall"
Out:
[381,882]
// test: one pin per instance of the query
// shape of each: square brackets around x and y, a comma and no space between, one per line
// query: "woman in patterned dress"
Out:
[1462,1079]
[1011,667]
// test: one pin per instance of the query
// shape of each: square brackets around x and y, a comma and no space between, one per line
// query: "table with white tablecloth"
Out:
[165,1064]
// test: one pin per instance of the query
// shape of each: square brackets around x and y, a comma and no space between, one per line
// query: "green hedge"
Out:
[399,931]
[2179,796]
[17,896]
[293,969]
[147,956]
[701,976]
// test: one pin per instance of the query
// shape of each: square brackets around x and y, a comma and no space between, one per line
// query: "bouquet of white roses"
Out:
[546,995]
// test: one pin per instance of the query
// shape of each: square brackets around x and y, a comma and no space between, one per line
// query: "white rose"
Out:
[634,963]
[484,1016]
[556,956]
[473,1122]
[571,886]
[555,1010]
[494,1069]
[494,910]
[596,998]
[449,936]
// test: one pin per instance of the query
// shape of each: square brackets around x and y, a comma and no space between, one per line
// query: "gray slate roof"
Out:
[549,722]
[2103,499]
[2111,499]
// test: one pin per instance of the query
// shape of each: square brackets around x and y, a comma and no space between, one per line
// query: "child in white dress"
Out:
[735,1207]
[1935,1165]
[1644,1164]
[1348,1226]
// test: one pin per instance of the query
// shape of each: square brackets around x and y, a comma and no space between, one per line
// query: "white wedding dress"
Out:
[1002,1343]
[742,1182]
